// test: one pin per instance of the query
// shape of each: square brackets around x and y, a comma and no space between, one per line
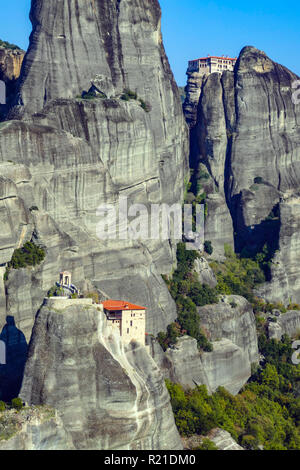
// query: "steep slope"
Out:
[108,396]
[246,133]
[66,156]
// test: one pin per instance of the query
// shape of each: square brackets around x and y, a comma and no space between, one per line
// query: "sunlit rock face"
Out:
[287,324]
[245,131]
[10,64]
[33,428]
[230,327]
[63,156]
[108,396]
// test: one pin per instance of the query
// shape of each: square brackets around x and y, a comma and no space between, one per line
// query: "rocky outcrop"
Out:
[33,428]
[66,156]
[108,396]
[286,324]
[227,366]
[232,319]
[231,328]
[10,64]
[221,438]
[246,133]
[204,272]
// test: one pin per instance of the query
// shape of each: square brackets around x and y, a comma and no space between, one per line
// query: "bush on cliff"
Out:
[188,293]
[265,413]
[29,255]
[8,45]
[237,275]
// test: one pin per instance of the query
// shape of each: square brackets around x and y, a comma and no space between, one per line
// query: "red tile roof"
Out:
[214,57]
[114,305]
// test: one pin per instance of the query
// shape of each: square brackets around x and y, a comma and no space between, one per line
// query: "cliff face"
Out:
[66,156]
[108,396]
[287,324]
[10,64]
[245,131]
[33,428]
[232,332]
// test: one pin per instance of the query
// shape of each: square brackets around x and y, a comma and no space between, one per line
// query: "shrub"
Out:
[208,247]
[17,403]
[207,444]
[238,276]
[8,45]
[55,291]
[145,106]
[29,255]
[2,406]
[265,413]
[131,94]
[188,293]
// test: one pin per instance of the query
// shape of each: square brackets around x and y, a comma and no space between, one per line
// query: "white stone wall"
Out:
[133,326]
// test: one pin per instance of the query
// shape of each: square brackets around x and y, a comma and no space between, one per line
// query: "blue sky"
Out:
[195,28]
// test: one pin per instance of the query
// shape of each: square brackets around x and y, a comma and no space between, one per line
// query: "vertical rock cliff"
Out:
[109,396]
[61,156]
[245,131]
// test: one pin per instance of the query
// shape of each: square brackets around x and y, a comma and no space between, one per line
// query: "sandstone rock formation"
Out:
[245,131]
[205,273]
[232,319]
[66,156]
[230,326]
[226,366]
[10,64]
[286,324]
[33,428]
[108,396]
[221,438]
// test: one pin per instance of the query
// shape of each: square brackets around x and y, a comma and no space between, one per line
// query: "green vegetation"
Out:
[8,45]
[265,413]
[208,247]
[239,276]
[132,95]
[188,293]
[92,95]
[29,255]
[17,403]
[55,291]
[207,444]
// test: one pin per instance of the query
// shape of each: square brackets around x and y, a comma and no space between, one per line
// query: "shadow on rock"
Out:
[11,373]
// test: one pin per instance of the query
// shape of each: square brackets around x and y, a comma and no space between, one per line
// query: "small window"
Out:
[128,331]
[131,323]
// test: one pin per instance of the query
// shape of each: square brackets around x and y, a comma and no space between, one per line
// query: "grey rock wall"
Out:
[108,396]
[245,131]
[33,428]
[287,324]
[67,156]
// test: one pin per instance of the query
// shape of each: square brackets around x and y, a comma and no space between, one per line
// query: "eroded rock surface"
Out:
[245,130]
[287,324]
[65,156]
[108,396]
[33,428]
